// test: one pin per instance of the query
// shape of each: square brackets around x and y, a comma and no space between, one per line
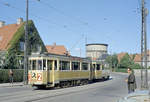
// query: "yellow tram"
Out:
[50,70]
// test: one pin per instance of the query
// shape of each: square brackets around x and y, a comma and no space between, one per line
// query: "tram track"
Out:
[68,93]
[35,95]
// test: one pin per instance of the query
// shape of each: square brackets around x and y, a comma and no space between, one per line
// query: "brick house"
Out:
[137,58]
[57,49]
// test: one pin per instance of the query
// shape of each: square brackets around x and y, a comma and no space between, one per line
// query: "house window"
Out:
[21,46]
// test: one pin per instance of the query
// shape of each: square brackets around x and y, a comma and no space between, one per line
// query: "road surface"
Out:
[103,91]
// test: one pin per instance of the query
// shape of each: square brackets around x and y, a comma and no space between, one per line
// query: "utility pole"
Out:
[144,75]
[85,45]
[26,47]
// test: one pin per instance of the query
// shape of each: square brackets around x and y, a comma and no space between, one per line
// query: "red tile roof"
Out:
[6,34]
[137,58]
[57,49]
[120,55]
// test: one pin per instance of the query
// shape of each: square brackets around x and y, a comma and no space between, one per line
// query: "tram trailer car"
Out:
[51,70]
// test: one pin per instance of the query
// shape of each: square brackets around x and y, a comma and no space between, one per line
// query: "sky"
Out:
[74,23]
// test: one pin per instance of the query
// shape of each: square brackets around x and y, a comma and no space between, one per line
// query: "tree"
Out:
[125,61]
[115,60]
[112,60]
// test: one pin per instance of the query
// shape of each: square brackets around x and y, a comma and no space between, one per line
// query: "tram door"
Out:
[91,72]
[49,69]
[94,70]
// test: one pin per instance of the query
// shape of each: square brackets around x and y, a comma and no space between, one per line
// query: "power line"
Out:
[68,16]
[76,43]
[38,17]
[23,11]
[63,13]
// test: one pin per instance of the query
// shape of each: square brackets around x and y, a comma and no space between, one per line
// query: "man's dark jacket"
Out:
[131,82]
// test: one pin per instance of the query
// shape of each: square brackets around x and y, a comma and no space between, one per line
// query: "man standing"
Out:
[11,77]
[131,81]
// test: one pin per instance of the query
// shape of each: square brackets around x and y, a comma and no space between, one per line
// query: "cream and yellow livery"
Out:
[50,70]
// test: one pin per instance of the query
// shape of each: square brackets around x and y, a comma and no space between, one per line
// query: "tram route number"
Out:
[39,76]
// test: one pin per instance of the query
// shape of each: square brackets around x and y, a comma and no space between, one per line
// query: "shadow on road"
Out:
[54,88]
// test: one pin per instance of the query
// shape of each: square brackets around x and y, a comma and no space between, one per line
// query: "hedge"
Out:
[17,75]
[124,70]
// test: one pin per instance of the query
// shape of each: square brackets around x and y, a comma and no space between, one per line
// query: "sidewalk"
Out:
[138,96]
[10,85]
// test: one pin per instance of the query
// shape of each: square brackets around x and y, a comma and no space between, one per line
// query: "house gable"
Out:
[14,53]
[6,35]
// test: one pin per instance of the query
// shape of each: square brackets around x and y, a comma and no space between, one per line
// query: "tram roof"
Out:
[58,56]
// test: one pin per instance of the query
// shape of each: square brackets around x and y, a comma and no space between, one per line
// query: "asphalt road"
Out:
[103,91]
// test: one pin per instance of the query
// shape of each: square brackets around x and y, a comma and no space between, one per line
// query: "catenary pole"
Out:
[144,75]
[25,47]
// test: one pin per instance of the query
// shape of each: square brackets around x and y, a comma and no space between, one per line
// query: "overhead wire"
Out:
[44,19]
[62,13]
[83,23]
[23,11]
[74,45]
[38,17]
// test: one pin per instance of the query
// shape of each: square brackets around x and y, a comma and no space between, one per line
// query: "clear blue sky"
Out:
[68,22]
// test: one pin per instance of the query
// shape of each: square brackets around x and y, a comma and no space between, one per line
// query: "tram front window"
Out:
[33,62]
[39,65]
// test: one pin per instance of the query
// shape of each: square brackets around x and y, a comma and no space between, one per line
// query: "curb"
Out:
[11,85]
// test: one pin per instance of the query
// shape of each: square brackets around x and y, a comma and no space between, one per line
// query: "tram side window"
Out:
[55,65]
[33,64]
[64,65]
[91,68]
[102,67]
[75,66]
[44,64]
[49,64]
[94,66]
[98,67]
[84,66]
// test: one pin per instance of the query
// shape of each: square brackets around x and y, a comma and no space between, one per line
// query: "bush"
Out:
[124,70]
[135,66]
[17,75]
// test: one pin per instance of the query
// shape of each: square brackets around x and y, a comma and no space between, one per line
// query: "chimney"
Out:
[2,23]
[19,20]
